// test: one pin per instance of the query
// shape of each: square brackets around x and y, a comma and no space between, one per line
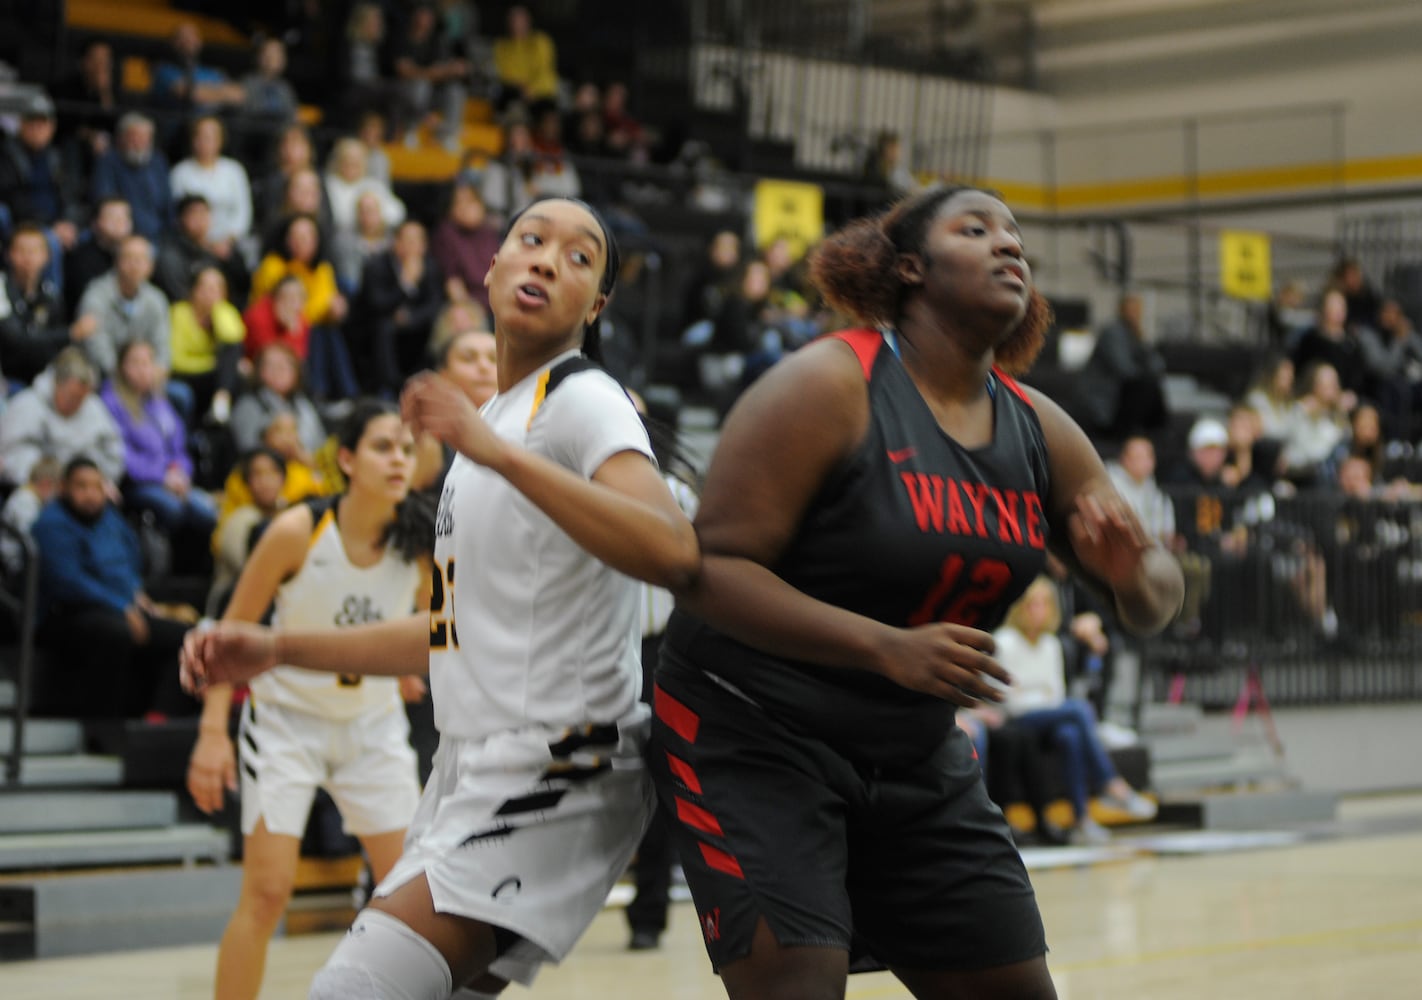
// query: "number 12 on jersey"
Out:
[443,634]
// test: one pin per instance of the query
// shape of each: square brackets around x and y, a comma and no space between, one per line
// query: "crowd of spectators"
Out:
[196,286]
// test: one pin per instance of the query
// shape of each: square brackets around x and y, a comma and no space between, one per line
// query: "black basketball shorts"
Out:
[913,864]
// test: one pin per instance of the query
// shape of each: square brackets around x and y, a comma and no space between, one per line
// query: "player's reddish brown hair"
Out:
[854,269]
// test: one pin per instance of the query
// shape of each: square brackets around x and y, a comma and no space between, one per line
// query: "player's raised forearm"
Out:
[388,649]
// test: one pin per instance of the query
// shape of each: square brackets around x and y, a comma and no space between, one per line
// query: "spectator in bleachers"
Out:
[886,167]
[189,247]
[352,248]
[279,317]
[303,256]
[399,300]
[118,654]
[434,81]
[623,135]
[1318,426]
[372,129]
[526,64]
[464,243]
[293,154]
[304,195]
[1392,355]
[187,83]
[1028,646]
[60,415]
[347,178]
[555,174]
[1272,396]
[208,334]
[127,306]
[263,474]
[219,179]
[23,507]
[509,183]
[714,278]
[1362,299]
[158,470]
[95,252]
[1334,342]
[364,81]
[1122,385]
[138,173]
[1252,461]
[1133,475]
[277,390]
[35,183]
[1289,316]
[268,94]
[1365,440]
[32,326]
[88,103]
[587,101]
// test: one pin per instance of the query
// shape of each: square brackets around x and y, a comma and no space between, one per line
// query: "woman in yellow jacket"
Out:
[299,253]
[207,333]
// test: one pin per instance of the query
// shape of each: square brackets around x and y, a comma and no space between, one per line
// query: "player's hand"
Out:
[1107,537]
[225,653]
[412,689]
[952,662]
[212,770]
[435,405]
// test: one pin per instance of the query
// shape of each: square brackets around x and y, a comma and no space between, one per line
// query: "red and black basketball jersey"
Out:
[912,528]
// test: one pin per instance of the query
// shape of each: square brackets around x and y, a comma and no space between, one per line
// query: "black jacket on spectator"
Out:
[82,265]
[1345,355]
[397,346]
[32,330]
[180,258]
[17,163]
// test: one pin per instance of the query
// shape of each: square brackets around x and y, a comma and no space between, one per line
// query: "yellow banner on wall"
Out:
[1245,272]
[791,211]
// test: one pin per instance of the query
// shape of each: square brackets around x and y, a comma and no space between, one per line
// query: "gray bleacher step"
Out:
[47,737]
[96,848]
[85,913]
[1163,717]
[1251,810]
[70,771]
[68,812]
[7,694]
[1244,767]
[1186,747]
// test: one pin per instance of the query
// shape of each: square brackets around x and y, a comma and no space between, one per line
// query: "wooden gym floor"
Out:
[1288,918]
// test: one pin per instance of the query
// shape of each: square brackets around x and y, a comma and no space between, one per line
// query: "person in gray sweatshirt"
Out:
[127,306]
[60,415]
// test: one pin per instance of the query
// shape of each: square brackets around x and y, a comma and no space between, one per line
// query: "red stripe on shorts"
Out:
[698,818]
[683,721]
[682,771]
[721,861]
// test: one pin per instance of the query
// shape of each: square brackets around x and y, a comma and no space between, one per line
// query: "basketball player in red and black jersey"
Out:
[875,504]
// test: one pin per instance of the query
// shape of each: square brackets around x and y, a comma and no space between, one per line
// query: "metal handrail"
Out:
[23,606]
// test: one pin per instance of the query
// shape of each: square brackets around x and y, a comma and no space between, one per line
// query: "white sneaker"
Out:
[1116,737]
[1089,833]
[1135,805]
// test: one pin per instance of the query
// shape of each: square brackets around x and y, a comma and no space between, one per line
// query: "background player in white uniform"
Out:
[552,509]
[349,560]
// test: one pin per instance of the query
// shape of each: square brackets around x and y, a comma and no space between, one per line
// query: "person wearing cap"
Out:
[34,183]
[61,415]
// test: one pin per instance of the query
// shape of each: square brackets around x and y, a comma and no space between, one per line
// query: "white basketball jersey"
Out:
[329,591]
[526,626]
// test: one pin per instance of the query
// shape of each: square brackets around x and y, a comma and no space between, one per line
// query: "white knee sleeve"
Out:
[381,958]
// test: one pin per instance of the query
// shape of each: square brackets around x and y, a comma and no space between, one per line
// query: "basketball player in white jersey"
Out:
[329,564]
[552,511]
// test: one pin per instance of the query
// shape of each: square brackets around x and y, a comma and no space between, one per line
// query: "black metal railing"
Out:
[1317,597]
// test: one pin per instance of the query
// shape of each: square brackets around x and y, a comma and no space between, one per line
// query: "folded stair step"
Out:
[97,848]
[46,737]
[75,811]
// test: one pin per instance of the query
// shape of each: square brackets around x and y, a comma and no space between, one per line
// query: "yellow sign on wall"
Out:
[791,211]
[1245,271]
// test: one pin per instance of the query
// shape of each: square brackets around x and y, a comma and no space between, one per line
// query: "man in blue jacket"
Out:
[115,654]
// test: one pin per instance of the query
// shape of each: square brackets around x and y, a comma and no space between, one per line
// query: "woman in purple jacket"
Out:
[155,446]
